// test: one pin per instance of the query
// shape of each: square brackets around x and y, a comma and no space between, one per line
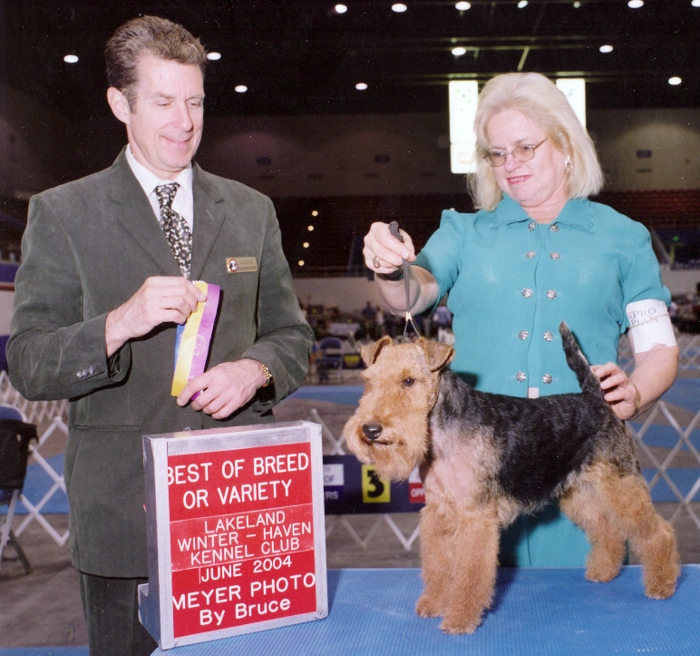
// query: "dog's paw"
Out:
[602,573]
[428,606]
[660,585]
[457,624]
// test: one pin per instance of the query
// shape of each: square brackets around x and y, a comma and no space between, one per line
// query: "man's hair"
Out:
[539,99]
[148,35]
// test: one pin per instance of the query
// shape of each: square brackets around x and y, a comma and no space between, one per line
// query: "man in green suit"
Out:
[100,293]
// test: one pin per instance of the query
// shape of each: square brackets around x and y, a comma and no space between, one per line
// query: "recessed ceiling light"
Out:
[635,4]
[310,228]
[314,213]
[458,51]
[340,9]
[361,86]
[695,3]
[213,56]
[606,48]
[463,6]
[577,5]
[71,59]
[399,7]
[522,4]
[305,244]
[674,81]
[240,88]
[300,262]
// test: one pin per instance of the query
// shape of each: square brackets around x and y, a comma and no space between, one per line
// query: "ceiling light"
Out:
[674,81]
[459,51]
[522,4]
[635,4]
[213,56]
[399,7]
[606,48]
[463,6]
[577,5]
[340,9]
[314,213]
[310,228]
[306,244]
[695,3]
[240,88]
[71,59]
[361,86]
[300,262]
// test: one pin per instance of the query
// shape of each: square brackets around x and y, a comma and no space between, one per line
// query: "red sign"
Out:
[241,536]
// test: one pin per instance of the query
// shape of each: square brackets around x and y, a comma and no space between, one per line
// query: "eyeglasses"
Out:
[522,153]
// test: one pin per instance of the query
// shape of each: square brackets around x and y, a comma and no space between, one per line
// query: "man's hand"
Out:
[159,300]
[225,388]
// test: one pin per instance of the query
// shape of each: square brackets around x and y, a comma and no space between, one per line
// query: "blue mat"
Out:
[683,477]
[345,394]
[37,483]
[665,436]
[547,612]
[685,393]
[45,651]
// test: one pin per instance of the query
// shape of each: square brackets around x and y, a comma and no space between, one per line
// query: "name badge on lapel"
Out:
[241,264]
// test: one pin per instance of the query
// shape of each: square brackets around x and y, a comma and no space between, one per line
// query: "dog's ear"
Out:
[437,354]
[369,352]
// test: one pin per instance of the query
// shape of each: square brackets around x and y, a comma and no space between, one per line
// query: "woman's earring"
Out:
[568,163]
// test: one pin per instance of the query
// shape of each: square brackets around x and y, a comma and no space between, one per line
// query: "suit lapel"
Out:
[209,215]
[135,214]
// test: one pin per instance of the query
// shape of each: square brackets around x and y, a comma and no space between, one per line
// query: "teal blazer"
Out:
[88,247]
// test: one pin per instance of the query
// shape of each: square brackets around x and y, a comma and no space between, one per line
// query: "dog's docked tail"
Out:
[590,385]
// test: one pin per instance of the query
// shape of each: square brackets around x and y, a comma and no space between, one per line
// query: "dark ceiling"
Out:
[304,58]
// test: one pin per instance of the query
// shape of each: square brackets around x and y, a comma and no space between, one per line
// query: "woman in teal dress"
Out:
[535,253]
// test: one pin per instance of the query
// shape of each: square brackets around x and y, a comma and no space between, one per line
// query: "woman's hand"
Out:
[383,252]
[618,389]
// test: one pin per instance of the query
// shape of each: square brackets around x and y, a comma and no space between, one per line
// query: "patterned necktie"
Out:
[175,227]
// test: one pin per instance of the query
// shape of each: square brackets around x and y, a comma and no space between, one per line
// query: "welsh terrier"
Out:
[486,458]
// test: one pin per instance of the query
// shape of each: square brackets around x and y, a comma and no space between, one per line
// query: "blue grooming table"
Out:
[543,612]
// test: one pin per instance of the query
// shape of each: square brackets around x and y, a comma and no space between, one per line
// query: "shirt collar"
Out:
[149,180]
[578,212]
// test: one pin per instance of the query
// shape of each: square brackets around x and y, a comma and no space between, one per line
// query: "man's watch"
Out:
[268,375]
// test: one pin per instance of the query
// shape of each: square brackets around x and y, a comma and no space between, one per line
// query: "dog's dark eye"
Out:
[408,382]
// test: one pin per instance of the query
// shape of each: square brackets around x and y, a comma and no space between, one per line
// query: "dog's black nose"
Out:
[372,431]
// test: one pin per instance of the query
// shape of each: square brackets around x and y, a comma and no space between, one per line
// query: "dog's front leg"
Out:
[471,580]
[436,567]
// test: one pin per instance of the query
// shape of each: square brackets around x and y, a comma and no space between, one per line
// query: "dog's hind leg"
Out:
[651,537]
[586,509]
[629,507]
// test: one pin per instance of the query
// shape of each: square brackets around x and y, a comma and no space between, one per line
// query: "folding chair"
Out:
[15,435]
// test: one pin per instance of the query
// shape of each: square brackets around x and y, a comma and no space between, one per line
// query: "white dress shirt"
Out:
[183,203]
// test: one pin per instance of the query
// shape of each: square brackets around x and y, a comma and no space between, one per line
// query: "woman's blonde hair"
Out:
[539,99]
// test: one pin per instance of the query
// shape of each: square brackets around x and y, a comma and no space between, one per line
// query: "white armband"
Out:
[650,324]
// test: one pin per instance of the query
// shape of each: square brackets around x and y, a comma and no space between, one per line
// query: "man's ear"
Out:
[119,105]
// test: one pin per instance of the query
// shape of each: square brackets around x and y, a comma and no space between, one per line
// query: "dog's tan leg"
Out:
[435,545]
[629,508]
[583,505]
[651,537]
[474,562]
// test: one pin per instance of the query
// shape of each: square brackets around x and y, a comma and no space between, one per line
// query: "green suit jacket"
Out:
[88,247]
